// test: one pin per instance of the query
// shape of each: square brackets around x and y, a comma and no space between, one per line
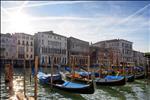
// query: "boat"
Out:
[111,81]
[107,81]
[130,78]
[140,76]
[67,86]
[47,77]
[78,79]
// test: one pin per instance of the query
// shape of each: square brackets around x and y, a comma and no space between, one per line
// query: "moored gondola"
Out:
[115,81]
[102,81]
[67,86]
[140,76]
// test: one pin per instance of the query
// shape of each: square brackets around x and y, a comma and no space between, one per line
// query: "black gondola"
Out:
[140,76]
[67,85]
[107,82]
[99,81]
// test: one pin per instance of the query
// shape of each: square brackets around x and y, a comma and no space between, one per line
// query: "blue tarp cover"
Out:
[109,77]
[73,85]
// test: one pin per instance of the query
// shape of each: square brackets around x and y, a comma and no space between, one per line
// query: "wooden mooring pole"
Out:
[24,81]
[52,64]
[88,67]
[35,78]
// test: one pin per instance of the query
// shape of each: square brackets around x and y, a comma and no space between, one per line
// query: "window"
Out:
[20,55]
[27,37]
[6,53]
[42,41]
[31,56]
[122,44]
[27,43]
[31,44]
[22,42]
[27,49]
[19,42]
[27,55]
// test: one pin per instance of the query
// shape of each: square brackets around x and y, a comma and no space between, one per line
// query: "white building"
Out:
[25,47]
[48,45]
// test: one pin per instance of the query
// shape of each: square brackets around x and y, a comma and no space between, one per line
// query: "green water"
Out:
[137,90]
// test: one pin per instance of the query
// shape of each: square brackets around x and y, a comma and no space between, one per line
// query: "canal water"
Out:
[137,90]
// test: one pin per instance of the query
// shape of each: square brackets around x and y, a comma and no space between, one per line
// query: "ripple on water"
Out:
[139,92]
[98,95]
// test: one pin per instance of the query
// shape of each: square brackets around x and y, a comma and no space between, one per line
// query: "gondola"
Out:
[130,78]
[107,81]
[67,85]
[140,76]
[112,81]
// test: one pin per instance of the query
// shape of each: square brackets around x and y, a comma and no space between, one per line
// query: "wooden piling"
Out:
[88,67]
[52,64]
[30,70]
[72,64]
[35,78]
[46,64]
[8,73]
[123,69]
[99,70]
[24,81]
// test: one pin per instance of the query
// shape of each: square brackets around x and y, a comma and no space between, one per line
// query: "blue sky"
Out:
[91,21]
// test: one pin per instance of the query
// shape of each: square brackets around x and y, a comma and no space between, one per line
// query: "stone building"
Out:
[122,48]
[138,58]
[7,48]
[25,48]
[104,56]
[50,45]
[78,49]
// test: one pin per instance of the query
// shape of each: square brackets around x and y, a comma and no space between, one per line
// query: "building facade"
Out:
[7,48]
[24,47]
[50,45]
[138,58]
[78,51]
[121,48]
[104,56]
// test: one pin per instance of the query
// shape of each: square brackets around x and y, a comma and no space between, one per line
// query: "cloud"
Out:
[129,18]
[34,4]
[92,29]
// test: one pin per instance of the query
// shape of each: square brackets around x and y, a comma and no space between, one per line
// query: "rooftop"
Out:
[77,39]
[51,32]
[113,40]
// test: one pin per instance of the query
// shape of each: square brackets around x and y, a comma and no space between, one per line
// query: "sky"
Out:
[91,21]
